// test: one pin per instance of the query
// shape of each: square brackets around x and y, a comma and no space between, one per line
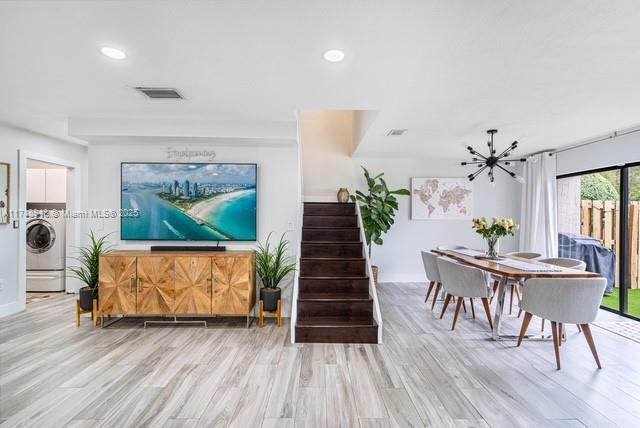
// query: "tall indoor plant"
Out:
[87,268]
[378,209]
[272,266]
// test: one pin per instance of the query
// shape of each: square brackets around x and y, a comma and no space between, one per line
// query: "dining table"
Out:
[507,268]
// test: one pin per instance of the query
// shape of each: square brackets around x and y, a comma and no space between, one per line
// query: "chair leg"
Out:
[556,346]
[511,300]
[487,310]
[586,329]
[457,313]
[446,303]
[429,291]
[542,328]
[473,310]
[525,324]
[495,287]
[579,328]
[464,306]
[560,334]
[435,296]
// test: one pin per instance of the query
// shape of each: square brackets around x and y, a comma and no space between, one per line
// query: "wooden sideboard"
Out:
[177,283]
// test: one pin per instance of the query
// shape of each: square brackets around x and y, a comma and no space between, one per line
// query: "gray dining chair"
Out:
[450,247]
[463,281]
[565,263]
[562,301]
[515,285]
[431,270]
[429,260]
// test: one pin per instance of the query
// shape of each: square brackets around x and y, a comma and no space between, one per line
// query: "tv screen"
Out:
[188,201]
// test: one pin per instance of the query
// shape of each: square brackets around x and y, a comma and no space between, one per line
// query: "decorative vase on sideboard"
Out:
[343,195]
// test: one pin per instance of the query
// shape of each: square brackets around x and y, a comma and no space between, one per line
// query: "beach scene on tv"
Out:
[189,201]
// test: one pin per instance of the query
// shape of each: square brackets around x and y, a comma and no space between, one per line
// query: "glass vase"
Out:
[492,247]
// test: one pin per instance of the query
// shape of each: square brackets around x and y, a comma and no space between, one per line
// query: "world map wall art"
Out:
[441,199]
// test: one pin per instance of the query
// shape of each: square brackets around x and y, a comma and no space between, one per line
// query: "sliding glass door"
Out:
[589,226]
[632,188]
[599,223]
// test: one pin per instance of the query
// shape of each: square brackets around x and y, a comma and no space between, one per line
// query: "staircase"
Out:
[334,305]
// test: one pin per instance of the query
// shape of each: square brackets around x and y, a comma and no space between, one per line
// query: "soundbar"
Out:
[188,248]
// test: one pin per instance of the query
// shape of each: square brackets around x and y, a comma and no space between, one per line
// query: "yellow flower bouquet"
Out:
[491,232]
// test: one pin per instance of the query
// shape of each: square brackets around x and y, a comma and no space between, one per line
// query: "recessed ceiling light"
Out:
[112,53]
[334,55]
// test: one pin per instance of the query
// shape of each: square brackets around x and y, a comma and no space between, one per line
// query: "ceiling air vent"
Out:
[396,132]
[160,93]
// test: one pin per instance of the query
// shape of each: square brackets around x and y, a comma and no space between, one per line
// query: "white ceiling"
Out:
[544,72]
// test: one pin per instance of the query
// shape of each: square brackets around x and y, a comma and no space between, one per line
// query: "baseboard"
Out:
[11,308]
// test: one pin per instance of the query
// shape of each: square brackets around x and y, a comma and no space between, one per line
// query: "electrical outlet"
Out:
[1,284]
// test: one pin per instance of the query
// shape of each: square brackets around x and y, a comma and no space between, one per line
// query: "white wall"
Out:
[399,258]
[326,144]
[616,151]
[11,141]
[278,192]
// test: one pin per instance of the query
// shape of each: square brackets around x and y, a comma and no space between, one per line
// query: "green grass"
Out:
[611,301]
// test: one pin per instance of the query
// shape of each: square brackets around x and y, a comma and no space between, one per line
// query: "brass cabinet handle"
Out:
[131,281]
[139,287]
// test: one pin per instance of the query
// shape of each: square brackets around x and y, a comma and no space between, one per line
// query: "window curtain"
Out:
[538,217]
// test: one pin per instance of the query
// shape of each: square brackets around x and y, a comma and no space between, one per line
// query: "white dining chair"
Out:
[515,285]
[565,263]
[529,255]
[562,301]
[429,260]
[463,281]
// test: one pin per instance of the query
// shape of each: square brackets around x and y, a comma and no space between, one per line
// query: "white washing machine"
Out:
[46,248]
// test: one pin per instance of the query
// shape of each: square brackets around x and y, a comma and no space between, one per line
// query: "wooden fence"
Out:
[600,219]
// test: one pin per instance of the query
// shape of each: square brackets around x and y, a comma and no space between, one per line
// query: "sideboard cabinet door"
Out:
[193,285]
[117,292]
[232,284]
[155,287]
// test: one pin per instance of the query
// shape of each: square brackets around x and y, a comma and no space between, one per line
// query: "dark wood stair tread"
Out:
[330,215]
[333,278]
[332,242]
[329,203]
[334,297]
[331,227]
[336,322]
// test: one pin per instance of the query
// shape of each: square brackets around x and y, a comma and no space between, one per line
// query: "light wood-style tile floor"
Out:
[53,374]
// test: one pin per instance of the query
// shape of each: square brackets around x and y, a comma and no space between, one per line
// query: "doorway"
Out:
[46,185]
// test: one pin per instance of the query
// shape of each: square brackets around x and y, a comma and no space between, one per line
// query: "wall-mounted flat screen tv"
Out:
[188,201]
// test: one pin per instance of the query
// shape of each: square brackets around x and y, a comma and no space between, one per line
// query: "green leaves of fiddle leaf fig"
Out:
[378,207]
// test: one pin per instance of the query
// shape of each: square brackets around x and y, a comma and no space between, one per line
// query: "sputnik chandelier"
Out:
[492,161]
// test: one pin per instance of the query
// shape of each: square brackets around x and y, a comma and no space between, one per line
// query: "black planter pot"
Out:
[86,297]
[270,297]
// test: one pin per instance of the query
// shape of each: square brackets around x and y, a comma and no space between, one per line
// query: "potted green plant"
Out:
[272,266]
[378,209]
[87,268]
